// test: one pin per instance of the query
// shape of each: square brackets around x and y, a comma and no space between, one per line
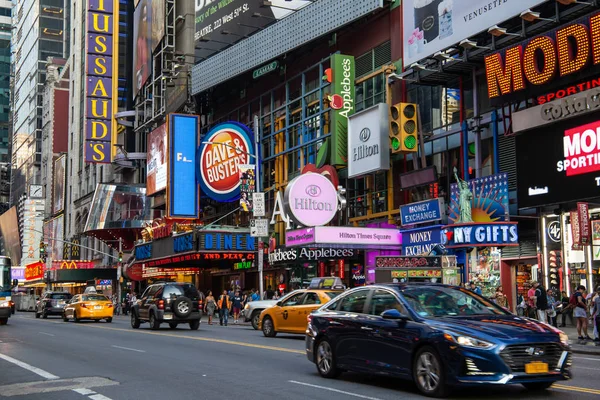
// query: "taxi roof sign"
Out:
[327,283]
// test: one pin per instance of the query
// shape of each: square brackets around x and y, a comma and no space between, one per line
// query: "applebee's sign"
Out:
[309,200]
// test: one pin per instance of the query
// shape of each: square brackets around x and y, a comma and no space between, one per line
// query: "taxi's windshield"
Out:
[448,302]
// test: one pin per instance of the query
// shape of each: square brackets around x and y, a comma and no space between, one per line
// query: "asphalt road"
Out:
[51,359]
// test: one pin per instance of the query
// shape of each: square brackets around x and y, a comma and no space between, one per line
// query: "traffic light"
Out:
[120,256]
[403,128]
[43,254]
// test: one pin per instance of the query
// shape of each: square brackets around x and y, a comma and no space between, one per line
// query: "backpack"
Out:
[573,300]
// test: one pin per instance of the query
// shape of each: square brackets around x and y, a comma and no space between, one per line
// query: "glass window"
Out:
[383,300]
[95,297]
[171,291]
[355,302]
[60,296]
[311,298]
[293,300]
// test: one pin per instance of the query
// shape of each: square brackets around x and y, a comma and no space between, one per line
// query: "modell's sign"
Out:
[581,149]
[544,59]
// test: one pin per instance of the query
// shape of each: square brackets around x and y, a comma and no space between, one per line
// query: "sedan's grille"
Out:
[517,356]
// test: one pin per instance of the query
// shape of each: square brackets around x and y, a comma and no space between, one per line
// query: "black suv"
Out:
[174,303]
[52,303]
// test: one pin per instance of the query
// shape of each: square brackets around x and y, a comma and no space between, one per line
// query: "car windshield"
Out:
[60,296]
[94,297]
[444,301]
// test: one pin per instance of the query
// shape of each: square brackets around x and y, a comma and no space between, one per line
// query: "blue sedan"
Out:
[437,335]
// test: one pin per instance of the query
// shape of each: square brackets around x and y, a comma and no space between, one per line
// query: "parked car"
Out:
[170,302]
[89,306]
[252,310]
[437,335]
[52,303]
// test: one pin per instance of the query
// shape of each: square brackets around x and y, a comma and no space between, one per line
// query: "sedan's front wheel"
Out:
[428,373]
[325,360]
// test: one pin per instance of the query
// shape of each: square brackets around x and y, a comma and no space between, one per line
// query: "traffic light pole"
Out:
[119,272]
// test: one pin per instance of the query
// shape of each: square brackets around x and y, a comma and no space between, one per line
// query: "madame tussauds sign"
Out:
[309,200]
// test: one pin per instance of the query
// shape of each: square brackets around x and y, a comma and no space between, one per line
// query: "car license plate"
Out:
[536,368]
[97,307]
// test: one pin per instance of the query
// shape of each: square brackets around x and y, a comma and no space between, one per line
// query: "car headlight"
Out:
[4,303]
[467,341]
[564,339]
[247,306]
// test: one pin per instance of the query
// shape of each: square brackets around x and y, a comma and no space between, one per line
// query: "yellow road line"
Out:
[203,339]
[576,389]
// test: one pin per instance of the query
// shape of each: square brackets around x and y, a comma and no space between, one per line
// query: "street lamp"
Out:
[256,190]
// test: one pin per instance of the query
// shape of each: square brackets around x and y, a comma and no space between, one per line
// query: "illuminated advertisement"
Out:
[219,160]
[58,192]
[34,271]
[156,170]
[489,202]
[341,102]
[142,35]
[247,186]
[101,80]
[183,198]
[11,239]
[56,245]
[565,165]
[33,224]
[566,51]
[433,25]
[158,22]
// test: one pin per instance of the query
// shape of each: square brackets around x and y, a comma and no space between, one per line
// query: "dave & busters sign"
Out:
[219,159]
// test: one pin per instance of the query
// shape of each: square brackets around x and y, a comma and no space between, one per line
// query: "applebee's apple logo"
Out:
[313,191]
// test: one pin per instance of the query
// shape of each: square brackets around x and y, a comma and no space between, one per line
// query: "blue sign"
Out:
[480,235]
[227,241]
[421,240]
[183,189]
[420,212]
[183,243]
[143,251]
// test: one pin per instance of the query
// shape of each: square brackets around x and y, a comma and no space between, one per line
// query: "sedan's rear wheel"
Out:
[255,318]
[75,317]
[109,320]
[325,360]
[268,327]
[428,373]
[135,321]
[154,323]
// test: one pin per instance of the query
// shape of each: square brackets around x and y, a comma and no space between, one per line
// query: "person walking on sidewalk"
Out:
[531,313]
[540,299]
[236,302]
[210,306]
[224,308]
[596,315]
[552,304]
[567,309]
[578,301]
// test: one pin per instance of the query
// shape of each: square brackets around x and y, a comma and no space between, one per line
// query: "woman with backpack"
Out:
[577,300]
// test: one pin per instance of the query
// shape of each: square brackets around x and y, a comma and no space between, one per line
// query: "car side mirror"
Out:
[279,303]
[393,314]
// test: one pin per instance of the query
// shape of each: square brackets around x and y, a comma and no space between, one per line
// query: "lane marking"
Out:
[31,368]
[578,367]
[128,348]
[47,334]
[576,389]
[56,385]
[99,397]
[84,392]
[335,390]
[586,358]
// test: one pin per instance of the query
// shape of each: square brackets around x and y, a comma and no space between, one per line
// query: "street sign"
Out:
[259,227]
[258,204]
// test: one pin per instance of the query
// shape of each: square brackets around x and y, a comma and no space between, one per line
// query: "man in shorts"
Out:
[580,313]
[236,300]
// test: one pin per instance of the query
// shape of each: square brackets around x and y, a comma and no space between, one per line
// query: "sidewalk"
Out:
[582,346]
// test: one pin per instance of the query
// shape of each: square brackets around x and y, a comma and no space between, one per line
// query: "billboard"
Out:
[156,169]
[247,186]
[11,239]
[559,165]
[58,189]
[218,160]
[56,245]
[368,141]
[32,217]
[183,197]
[158,22]
[142,53]
[433,25]
[239,18]
[101,80]
[342,106]
[489,202]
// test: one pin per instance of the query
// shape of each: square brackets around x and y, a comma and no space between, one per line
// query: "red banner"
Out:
[342,267]
[575,230]
[584,223]
[34,271]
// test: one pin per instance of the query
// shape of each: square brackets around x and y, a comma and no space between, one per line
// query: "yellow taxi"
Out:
[290,313]
[89,306]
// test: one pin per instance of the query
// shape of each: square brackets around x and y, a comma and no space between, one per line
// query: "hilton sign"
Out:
[564,53]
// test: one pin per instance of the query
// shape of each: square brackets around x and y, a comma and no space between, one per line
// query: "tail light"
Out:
[161,304]
[109,305]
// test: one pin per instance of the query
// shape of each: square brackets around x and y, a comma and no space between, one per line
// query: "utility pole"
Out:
[259,258]
[119,271]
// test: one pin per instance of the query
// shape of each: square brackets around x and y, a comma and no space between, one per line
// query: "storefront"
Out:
[434,269]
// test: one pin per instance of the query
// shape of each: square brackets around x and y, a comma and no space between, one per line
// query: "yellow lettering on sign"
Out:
[98,148]
[99,87]
[105,21]
[103,113]
[101,5]
[100,68]
[100,45]
[99,126]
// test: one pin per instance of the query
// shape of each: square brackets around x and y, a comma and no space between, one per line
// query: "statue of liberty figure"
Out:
[464,199]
